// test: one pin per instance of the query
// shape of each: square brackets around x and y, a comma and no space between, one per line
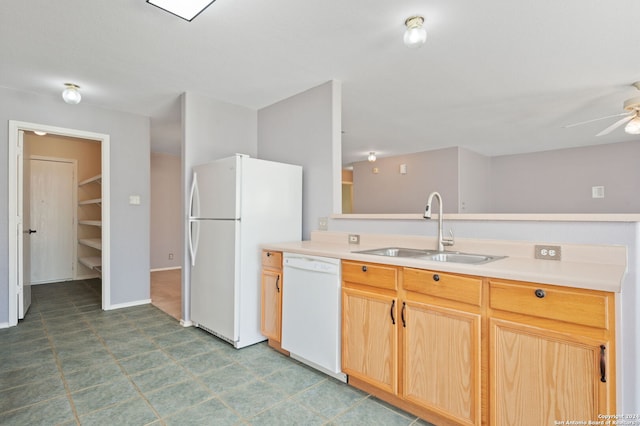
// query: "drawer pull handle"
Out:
[436,277]
[540,293]
[404,307]
[364,269]
[393,318]
[603,365]
[277,285]
[268,254]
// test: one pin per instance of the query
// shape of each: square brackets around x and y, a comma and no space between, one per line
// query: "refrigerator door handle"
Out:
[194,198]
[194,237]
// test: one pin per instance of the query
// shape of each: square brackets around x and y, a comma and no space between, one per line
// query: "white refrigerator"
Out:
[237,204]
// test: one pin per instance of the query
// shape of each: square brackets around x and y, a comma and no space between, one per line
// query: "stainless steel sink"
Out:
[456,257]
[397,252]
[432,255]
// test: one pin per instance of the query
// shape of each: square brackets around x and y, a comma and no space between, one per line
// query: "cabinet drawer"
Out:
[443,285]
[371,274]
[272,259]
[583,307]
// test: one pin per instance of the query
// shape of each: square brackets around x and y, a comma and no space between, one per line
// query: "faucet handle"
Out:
[448,241]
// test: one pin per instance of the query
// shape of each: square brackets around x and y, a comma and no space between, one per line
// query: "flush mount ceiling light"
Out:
[185,9]
[40,133]
[415,35]
[70,94]
[371,157]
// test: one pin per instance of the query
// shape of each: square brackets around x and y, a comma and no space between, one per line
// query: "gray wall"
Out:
[166,210]
[389,191]
[129,137]
[211,129]
[305,130]
[557,181]
[560,181]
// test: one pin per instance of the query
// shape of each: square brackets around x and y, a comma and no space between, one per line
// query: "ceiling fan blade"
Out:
[596,119]
[616,125]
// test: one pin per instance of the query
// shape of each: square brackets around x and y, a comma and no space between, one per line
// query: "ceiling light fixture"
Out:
[415,35]
[371,157]
[70,94]
[185,9]
[633,127]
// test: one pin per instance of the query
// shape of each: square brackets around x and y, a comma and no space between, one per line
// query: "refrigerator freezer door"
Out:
[214,295]
[217,190]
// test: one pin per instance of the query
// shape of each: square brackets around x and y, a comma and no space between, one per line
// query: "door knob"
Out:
[30,231]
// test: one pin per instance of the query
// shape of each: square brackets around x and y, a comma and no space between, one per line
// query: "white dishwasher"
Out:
[311,312]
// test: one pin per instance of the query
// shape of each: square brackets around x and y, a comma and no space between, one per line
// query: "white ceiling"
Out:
[495,76]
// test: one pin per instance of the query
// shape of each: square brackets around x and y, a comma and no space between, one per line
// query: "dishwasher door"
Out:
[311,311]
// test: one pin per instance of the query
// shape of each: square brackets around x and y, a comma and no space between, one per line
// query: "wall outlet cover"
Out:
[548,252]
[323,224]
[354,239]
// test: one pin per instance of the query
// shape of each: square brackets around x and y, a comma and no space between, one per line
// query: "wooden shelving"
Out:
[95,242]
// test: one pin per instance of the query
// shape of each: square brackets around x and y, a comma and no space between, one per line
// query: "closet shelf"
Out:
[97,179]
[92,262]
[90,222]
[96,243]
[92,201]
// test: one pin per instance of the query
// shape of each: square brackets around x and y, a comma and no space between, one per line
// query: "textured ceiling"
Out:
[495,76]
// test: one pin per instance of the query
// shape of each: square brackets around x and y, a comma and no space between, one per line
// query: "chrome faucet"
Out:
[427,215]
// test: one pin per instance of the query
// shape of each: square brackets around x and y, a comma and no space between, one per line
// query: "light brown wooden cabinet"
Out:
[551,353]
[467,350]
[408,347]
[271,298]
[441,325]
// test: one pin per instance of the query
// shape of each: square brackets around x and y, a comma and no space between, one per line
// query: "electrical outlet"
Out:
[354,239]
[548,252]
[170,256]
[323,224]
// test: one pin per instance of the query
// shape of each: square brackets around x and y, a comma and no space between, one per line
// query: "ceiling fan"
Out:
[631,117]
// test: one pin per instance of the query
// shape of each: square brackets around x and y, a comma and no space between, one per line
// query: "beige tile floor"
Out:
[166,291]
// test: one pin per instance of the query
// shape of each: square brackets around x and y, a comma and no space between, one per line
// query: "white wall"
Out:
[211,129]
[129,136]
[305,129]
[613,233]
[166,211]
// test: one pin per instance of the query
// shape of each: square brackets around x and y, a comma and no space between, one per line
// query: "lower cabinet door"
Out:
[370,338]
[441,350]
[539,377]
[271,305]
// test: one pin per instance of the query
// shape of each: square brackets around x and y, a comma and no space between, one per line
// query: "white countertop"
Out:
[589,267]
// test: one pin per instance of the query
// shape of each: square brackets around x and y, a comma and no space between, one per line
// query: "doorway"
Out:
[17,256]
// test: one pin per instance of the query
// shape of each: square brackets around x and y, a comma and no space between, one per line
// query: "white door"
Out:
[23,230]
[213,277]
[51,194]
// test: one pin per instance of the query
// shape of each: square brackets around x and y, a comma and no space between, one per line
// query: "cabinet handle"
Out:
[268,254]
[277,281]
[603,365]
[540,293]
[404,307]
[436,277]
[364,268]
[393,318]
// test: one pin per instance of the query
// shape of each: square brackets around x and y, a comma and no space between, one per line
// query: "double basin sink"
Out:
[433,255]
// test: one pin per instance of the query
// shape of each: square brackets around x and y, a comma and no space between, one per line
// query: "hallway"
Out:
[70,363]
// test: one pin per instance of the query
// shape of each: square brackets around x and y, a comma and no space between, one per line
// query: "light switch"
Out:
[403,169]
[134,200]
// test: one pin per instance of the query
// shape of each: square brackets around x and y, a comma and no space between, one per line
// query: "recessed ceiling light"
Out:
[185,9]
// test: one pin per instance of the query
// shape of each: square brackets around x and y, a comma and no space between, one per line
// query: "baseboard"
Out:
[86,277]
[129,304]
[4,325]
[166,269]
